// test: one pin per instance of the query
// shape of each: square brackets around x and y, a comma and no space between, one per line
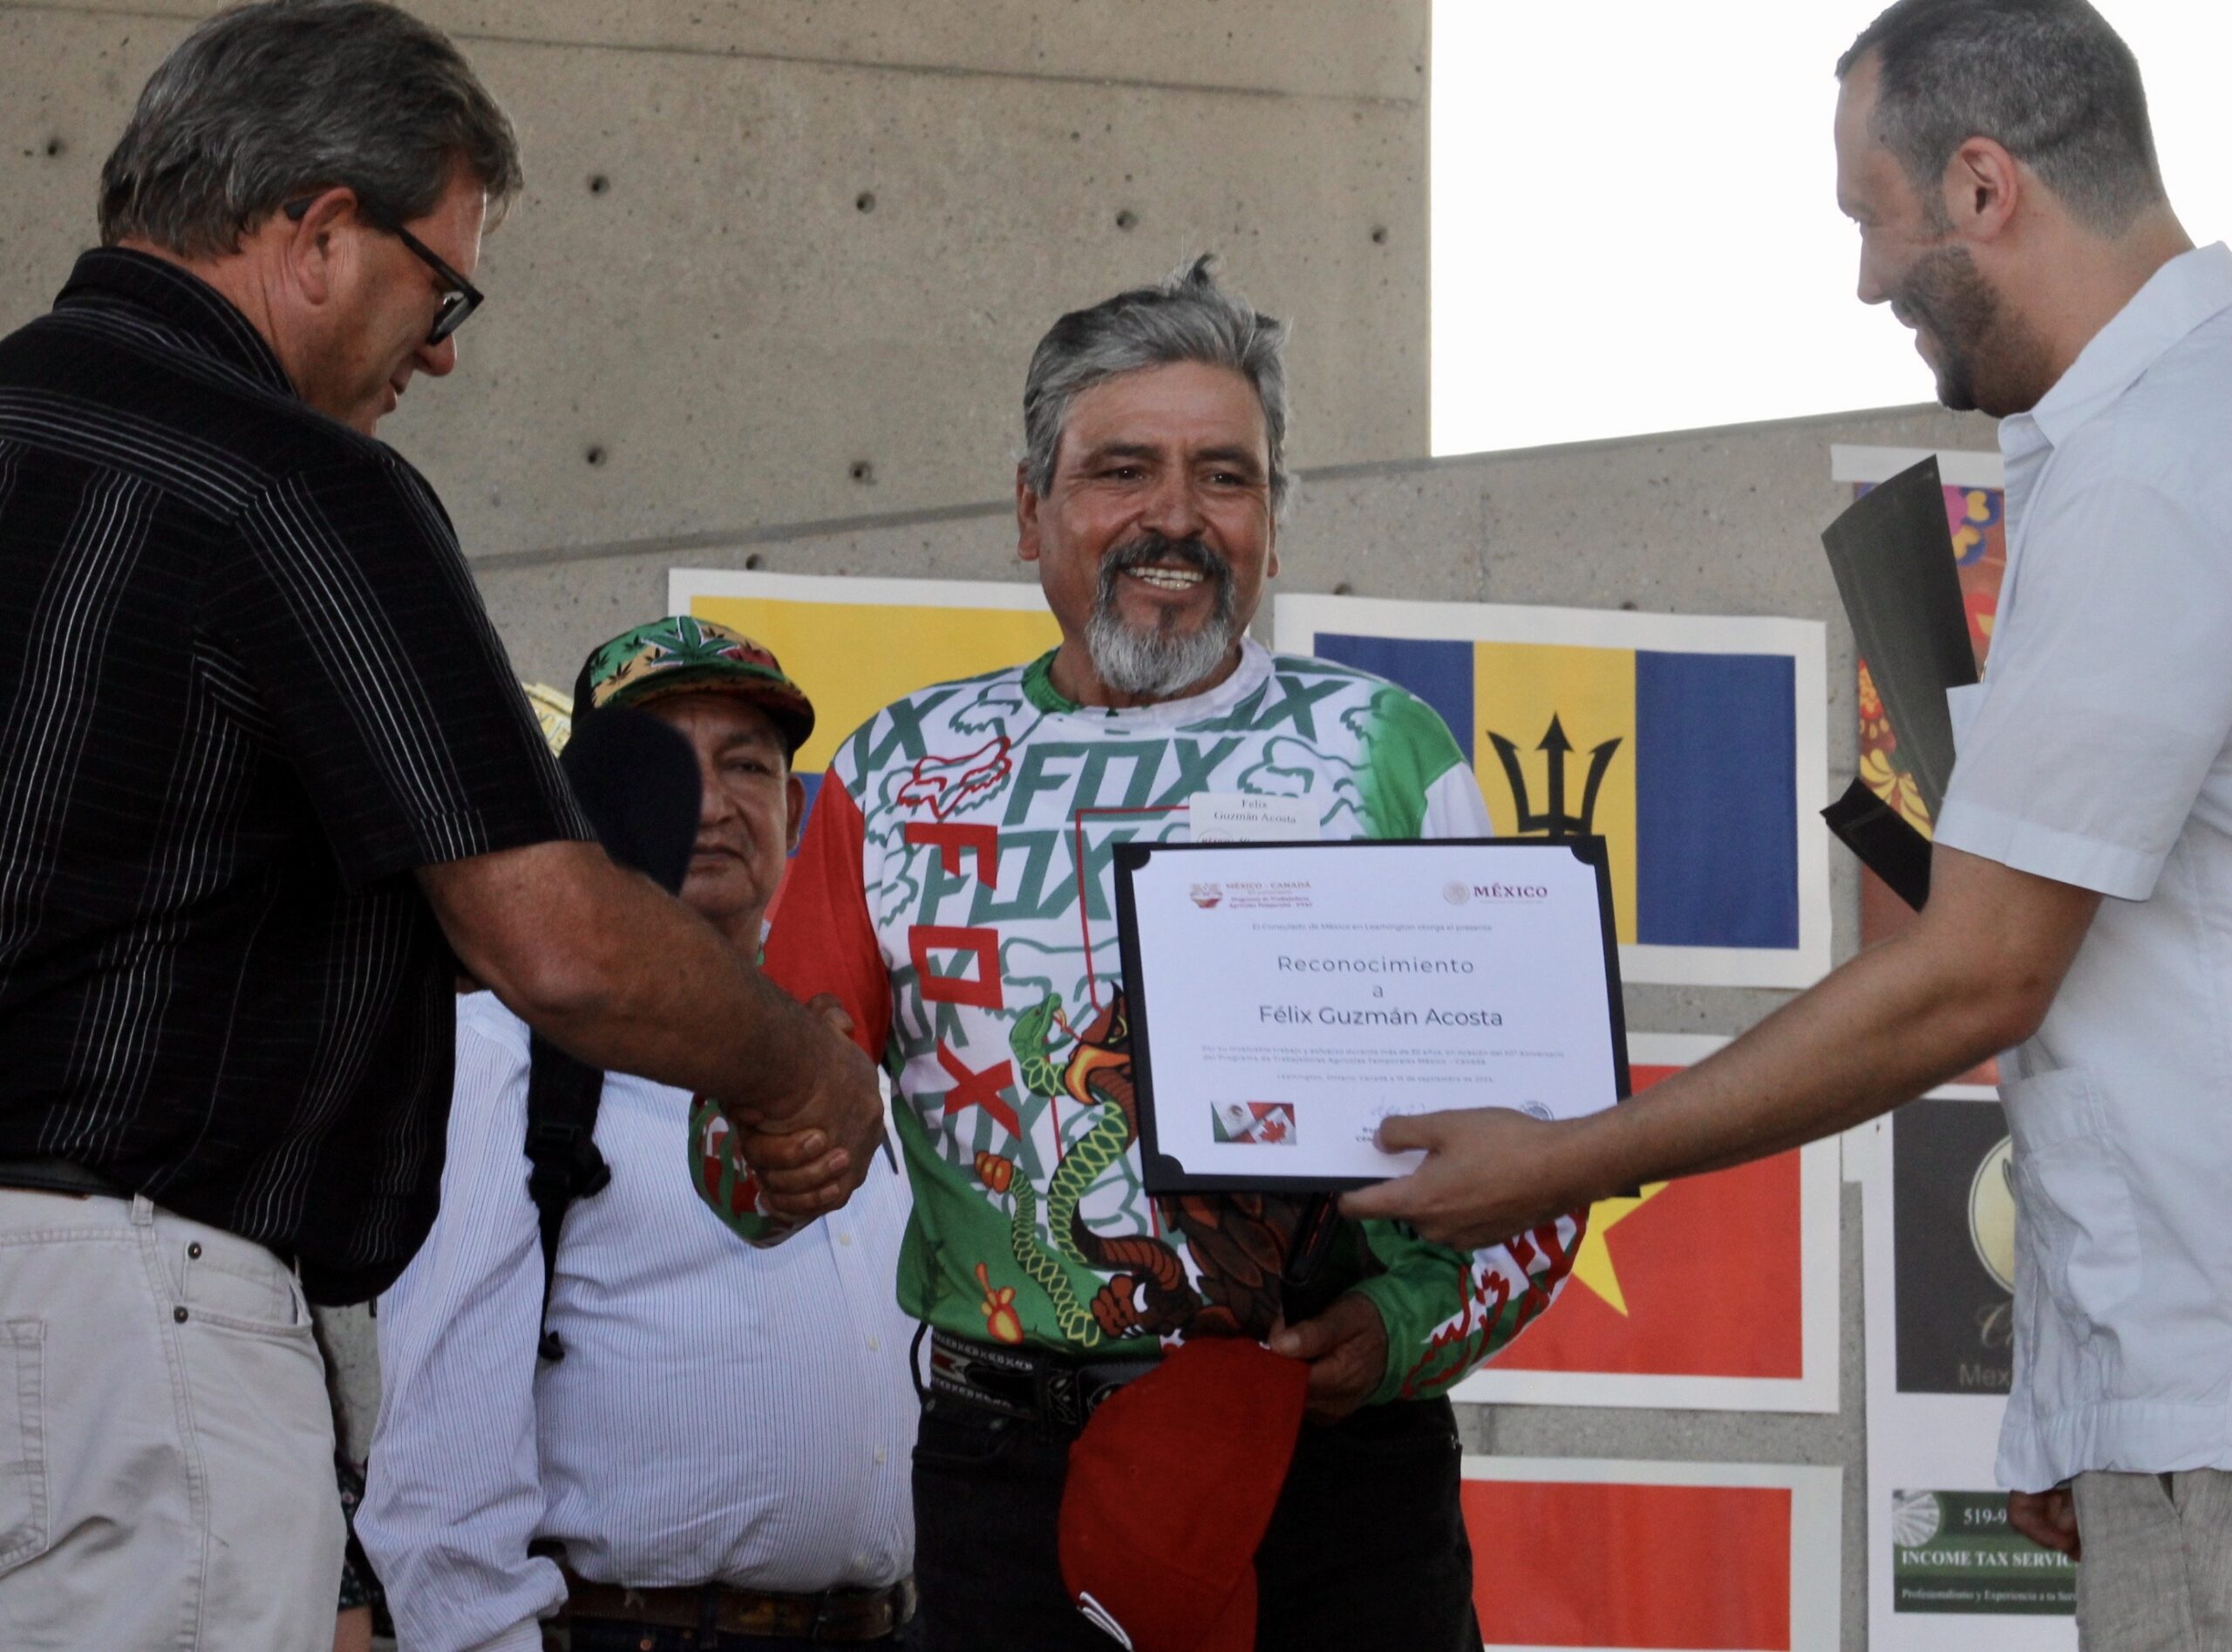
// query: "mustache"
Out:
[1149,549]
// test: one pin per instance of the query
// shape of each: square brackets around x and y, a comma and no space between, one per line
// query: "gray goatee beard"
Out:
[1159,662]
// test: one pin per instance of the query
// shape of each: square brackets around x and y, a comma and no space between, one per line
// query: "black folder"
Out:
[1893,558]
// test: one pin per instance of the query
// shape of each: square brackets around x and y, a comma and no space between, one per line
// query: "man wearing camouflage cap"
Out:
[730,1447]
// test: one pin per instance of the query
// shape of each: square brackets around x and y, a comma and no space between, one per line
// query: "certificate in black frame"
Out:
[1162,1173]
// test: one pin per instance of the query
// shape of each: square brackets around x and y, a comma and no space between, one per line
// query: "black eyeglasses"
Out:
[459,296]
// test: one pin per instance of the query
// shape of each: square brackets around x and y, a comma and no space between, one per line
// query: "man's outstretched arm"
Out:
[1974,975]
[612,969]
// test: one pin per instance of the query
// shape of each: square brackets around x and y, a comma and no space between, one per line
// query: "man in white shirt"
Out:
[719,1456]
[1997,158]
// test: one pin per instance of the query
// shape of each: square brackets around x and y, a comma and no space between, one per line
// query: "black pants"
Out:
[1366,1550]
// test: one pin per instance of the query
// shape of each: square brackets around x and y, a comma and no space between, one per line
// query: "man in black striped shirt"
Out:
[265,782]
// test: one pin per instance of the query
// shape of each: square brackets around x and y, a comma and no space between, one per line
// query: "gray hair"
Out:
[2048,81]
[265,103]
[1186,317]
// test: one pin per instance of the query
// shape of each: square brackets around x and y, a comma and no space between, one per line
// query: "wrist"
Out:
[775,1068]
[1596,1158]
[1385,1291]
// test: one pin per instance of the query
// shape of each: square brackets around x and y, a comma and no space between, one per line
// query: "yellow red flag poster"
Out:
[1588,1556]
[1715,1293]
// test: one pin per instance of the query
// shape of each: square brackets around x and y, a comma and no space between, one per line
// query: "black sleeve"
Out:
[347,600]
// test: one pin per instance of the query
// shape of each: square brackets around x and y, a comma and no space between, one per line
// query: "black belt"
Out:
[1029,1384]
[57,1176]
[718,1608]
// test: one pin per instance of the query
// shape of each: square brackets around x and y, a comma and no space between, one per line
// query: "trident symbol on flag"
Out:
[1554,821]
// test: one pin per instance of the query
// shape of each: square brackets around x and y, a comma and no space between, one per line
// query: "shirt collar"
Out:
[209,319]
[2177,298]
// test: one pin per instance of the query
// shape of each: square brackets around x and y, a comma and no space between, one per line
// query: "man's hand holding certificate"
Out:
[1289,998]
[1448,1200]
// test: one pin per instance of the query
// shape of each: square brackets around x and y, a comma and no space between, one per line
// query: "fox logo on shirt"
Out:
[948,784]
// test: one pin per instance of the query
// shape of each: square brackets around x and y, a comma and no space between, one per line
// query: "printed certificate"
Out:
[1287,996]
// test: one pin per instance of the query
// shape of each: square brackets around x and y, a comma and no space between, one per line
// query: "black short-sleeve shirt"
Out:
[245,687]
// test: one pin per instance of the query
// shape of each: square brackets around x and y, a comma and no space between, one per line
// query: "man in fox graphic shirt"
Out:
[954,891]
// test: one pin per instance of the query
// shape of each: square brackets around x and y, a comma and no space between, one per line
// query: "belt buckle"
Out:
[976,1376]
[1097,1391]
[826,1602]
[1060,1397]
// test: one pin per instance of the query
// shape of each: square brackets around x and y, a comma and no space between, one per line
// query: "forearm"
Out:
[1886,1027]
[614,971]
[672,1001]
[1449,1310]
[1975,975]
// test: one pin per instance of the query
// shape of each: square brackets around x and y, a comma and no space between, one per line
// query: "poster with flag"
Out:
[855,645]
[1695,745]
[1975,520]
[1578,1555]
[1716,1293]
[1945,1571]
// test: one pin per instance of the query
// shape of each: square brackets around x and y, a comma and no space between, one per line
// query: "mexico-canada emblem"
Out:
[1207,895]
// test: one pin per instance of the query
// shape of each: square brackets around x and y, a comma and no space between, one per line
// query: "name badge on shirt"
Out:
[1249,817]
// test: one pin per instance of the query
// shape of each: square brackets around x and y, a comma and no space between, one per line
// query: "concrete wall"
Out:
[782,260]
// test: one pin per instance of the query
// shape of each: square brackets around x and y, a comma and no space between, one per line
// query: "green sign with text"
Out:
[1955,1552]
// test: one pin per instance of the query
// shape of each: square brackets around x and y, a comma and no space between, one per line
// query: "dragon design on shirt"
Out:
[1237,1239]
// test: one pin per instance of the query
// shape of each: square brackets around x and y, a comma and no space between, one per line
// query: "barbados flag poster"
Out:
[1695,745]
[1715,1293]
[1654,1556]
[855,645]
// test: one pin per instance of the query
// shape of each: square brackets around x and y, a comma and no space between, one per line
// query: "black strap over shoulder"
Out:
[563,1094]
[636,781]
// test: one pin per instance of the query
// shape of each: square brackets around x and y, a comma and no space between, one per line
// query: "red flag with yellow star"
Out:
[1699,1293]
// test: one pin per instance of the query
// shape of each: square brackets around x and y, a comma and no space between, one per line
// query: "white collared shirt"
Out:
[720,1413]
[2095,752]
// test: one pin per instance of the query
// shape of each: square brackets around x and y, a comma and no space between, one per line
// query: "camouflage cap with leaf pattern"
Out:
[683,654]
